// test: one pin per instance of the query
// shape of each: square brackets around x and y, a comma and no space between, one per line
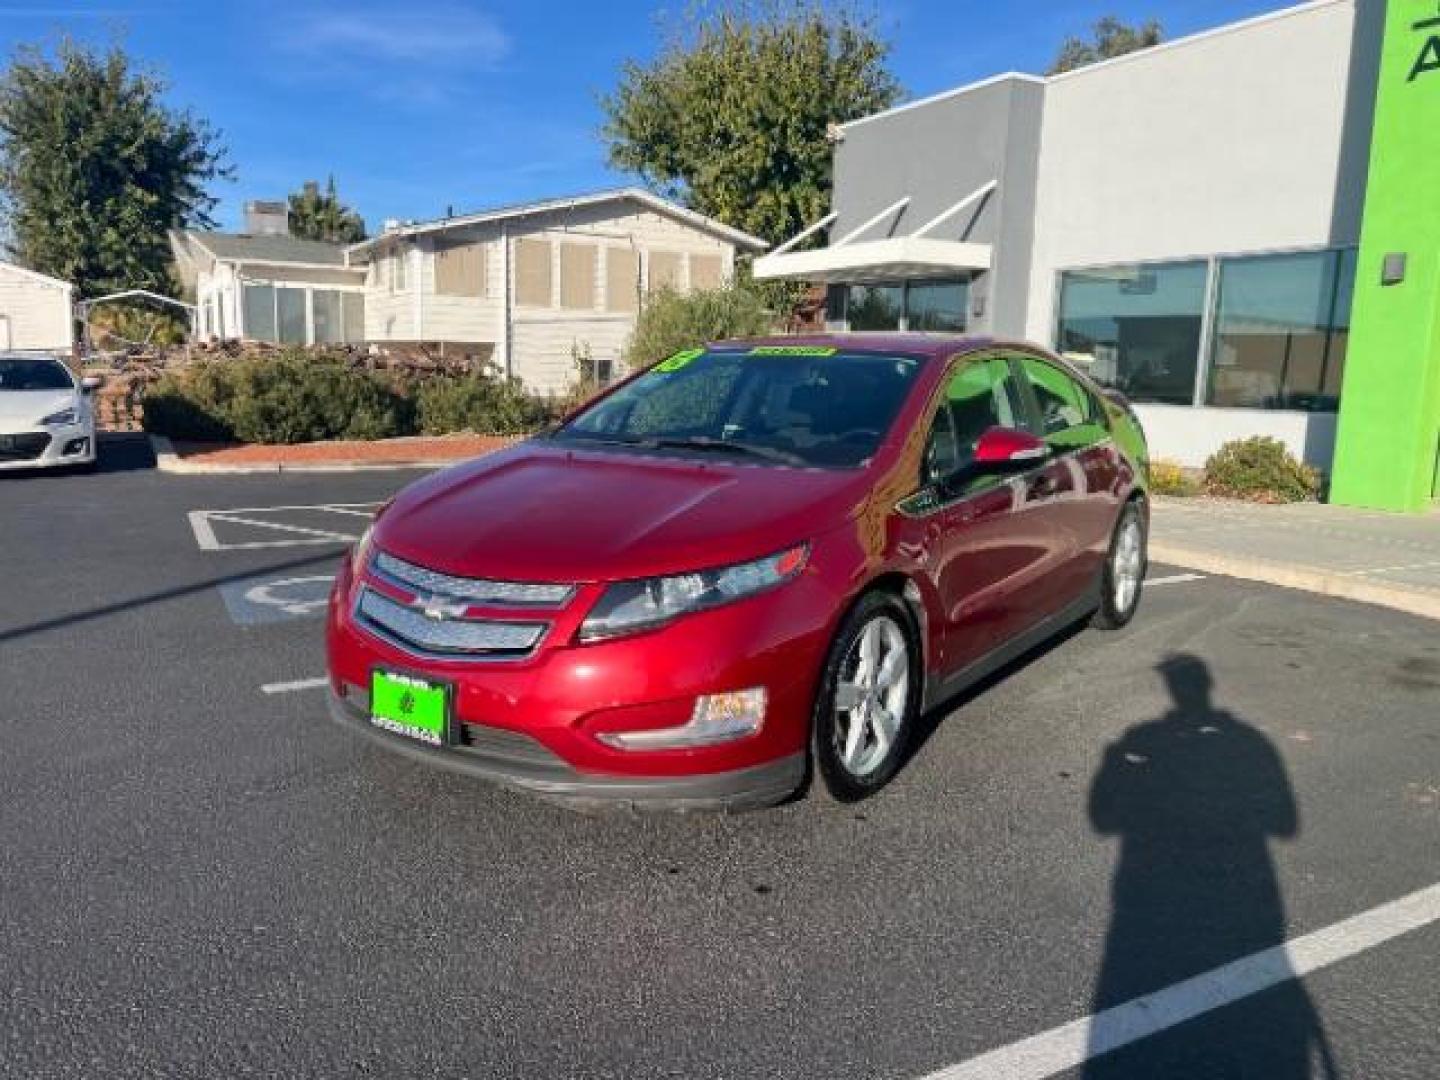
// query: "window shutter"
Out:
[532,273]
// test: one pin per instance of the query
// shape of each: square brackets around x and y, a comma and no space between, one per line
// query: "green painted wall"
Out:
[1386,453]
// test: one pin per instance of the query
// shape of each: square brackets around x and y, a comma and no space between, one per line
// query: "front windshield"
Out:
[32,373]
[793,405]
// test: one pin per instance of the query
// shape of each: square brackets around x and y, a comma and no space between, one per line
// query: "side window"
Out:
[980,395]
[940,457]
[1069,416]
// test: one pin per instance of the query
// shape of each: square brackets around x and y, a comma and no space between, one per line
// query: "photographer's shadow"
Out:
[1195,798]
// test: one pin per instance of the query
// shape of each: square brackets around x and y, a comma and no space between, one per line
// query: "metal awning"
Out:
[892,258]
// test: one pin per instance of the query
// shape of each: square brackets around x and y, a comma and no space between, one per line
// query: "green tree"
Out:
[670,322]
[95,168]
[1109,37]
[731,117]
[322,216]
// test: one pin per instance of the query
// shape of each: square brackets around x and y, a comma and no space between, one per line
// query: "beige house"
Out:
[36,313]
[534,286]
[266,285]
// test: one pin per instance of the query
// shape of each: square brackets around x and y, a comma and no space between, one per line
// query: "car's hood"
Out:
[24,407]
[542,512]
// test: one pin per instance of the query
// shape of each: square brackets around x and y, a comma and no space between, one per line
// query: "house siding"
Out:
[37,312]
[545,340]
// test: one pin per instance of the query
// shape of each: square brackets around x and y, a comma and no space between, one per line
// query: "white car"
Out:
[46,414]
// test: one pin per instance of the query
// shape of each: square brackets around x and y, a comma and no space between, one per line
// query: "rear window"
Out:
[26,373]
[785,404]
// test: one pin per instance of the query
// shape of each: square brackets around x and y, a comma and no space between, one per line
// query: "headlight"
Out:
[639,605]
[63,418]
[360,553]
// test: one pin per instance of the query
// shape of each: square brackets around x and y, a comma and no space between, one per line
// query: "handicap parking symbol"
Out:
[272,598]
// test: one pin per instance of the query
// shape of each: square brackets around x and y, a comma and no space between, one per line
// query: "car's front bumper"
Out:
[546,722]
[43,448]
[514,760]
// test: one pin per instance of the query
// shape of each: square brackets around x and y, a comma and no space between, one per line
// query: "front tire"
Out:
[869,698]
[1123,576]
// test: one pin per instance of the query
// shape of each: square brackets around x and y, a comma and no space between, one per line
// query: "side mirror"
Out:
[90,383]
[1002,447]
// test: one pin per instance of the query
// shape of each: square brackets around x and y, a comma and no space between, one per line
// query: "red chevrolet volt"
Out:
[746,561]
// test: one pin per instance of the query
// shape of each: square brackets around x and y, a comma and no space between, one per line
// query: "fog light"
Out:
[76,446]
[717,718]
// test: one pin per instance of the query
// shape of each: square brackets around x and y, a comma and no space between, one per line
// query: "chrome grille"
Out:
[449,637]
[476,590]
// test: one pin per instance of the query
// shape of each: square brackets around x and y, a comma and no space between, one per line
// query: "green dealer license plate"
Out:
[408,706]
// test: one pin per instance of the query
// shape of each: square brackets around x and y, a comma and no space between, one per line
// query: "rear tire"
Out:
[869,698]
[1123,576]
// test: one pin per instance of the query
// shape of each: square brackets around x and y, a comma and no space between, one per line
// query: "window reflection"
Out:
[1137,327]
[875,307]
[1282,326]
[934,305]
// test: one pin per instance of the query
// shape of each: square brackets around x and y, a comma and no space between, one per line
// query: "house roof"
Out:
[516,210]
[242,247]
[34,275]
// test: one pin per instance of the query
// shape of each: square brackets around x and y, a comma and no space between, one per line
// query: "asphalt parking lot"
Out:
[200,875]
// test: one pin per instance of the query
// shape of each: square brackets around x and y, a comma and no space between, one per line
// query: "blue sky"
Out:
[419,106]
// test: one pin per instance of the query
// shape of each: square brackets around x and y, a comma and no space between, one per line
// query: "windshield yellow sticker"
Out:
[679,360]
[794,350]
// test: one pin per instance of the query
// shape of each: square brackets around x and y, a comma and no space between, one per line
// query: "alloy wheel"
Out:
[1127,566]
[871,696]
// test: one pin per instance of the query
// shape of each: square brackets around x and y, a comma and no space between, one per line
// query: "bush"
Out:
[1260,468]
[476,403]
[298,396]
[1167,478]
[670,322]
[288,398]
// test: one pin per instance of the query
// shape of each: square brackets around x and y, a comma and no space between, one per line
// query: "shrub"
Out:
[670,322]
[294,399]
[476,403]
[1167,478]
[287,398]
[1260,468]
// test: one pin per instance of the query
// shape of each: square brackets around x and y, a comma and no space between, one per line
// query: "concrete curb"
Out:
[167,460]
[1307,578]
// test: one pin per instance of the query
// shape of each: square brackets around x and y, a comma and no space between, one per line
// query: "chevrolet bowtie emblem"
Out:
[438,608]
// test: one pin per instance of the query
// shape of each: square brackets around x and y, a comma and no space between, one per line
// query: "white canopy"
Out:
[892,258]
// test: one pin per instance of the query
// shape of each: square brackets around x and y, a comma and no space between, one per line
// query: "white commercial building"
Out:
[1183,219]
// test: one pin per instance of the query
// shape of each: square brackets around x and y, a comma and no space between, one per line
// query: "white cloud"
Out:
[435,34]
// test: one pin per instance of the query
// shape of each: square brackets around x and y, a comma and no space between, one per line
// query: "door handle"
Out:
[1041,487]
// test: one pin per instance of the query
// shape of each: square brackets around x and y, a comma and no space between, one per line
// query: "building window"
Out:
[874,307]
[664,271]
[532,273]
[1281,329]
[290,315]
[705,271]
[460,270]
[912,305]
[398,270]
[326,316]
[354,304]
[622,279]
[259,313]
[1138,327]
[577,276]
[936,305]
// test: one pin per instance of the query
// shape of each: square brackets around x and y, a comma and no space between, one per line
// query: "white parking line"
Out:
[1074,1043]
[202,524]
[291,687]
[1174,579]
